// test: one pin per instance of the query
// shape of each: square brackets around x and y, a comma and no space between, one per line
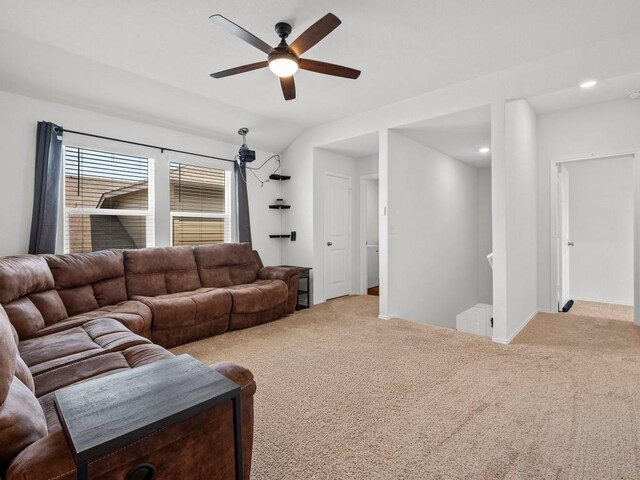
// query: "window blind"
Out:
[108,203]
[200,204]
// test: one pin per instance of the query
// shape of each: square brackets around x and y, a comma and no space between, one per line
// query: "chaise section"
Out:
[187,316]
[93,338]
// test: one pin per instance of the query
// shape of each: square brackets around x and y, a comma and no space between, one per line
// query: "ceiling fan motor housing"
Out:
[283,30]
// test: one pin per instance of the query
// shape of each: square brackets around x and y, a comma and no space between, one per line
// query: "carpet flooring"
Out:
[602,310]
[343,395]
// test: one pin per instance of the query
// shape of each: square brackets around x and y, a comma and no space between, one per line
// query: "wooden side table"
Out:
[139,402]
[304,293]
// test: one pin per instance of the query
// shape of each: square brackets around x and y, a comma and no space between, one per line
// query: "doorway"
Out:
[338,235]
[595,237]
[369,234]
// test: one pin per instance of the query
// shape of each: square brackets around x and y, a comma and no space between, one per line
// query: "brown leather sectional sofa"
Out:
[70,318]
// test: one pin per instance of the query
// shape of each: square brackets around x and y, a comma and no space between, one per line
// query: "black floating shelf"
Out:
[275,176]
[280,207]
[280,236]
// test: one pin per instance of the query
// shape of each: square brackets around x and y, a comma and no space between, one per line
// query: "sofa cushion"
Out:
[68,346]
[258,296]
[8,355]
[27,292]
[134,315]
[226,264]
[92,367]
[22,421]
[88,281]
[188,308]
[160,271]
[24,374]
[22,275]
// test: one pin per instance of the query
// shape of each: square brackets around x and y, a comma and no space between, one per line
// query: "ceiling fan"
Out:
[284,60]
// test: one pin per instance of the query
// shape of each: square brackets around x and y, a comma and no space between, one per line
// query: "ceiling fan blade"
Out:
[329,68]
[288,87]
[242,69]
[315,33]
[240,32]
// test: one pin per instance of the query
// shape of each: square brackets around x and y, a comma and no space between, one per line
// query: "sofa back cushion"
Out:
[226,264]
[88,281]
[28,294]
[158,271]
[22,420]
[8,353]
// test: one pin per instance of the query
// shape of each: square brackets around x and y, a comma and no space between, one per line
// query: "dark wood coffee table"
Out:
[138,402]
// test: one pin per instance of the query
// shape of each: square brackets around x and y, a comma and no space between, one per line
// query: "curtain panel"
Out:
[46,194]
[243,226]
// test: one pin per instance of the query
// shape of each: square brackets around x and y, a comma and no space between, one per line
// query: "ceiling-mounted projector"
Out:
[245,154]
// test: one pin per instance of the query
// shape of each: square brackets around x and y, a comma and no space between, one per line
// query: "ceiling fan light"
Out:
[283,66]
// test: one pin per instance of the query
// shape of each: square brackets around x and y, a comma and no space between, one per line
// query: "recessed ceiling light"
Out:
[484,150]
[588,84]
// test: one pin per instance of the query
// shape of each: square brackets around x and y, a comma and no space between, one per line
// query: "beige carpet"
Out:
[602,310]
[343,395]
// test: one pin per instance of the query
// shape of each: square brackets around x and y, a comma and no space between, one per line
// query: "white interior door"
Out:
[563,237]
[337,230]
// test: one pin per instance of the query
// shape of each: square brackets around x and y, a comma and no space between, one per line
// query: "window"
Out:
[200,204]
[107,201]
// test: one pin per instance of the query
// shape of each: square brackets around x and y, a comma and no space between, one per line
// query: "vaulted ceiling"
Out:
[154,57]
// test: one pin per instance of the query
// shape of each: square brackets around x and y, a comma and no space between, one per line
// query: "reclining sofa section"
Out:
[170,295]
[69,318]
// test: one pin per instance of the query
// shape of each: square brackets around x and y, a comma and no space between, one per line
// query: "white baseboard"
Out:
[507,341]
[384,317]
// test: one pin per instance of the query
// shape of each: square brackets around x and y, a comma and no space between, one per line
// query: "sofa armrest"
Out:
[202,443]
[237,374]
[289,276]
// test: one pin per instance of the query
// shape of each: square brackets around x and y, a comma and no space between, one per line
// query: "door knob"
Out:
[570,244]
[329,244]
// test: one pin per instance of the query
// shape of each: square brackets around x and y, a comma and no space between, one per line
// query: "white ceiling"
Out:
[356,147]
[458,135]
[403,49]
[606,90]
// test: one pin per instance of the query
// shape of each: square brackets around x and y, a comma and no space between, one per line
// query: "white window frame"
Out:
[226,216]
[149,213]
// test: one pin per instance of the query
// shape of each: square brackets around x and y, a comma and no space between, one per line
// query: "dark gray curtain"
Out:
[243,226]
[44,221]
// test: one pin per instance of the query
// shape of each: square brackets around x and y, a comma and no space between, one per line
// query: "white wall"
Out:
[433,233]
[520,211]
[534,78]
[601,227]
[367,165]
[485,245]
[18,118]
[601,129]
[371,211]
